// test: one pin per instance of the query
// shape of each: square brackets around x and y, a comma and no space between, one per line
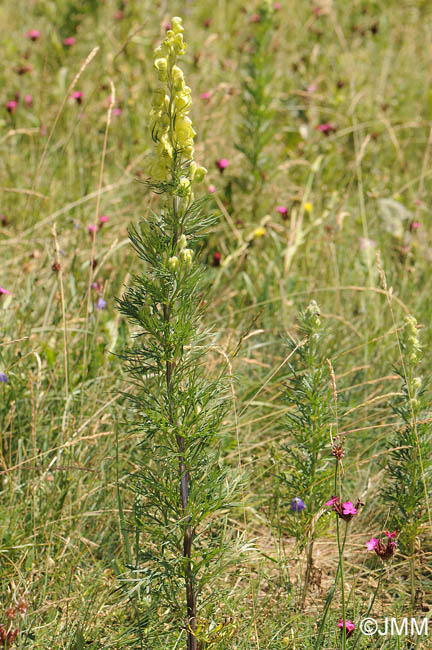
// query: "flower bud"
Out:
[173,263]
[200,174]
[186,255]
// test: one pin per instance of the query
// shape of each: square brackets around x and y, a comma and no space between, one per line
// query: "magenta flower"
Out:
[414,225]
[383,551]
[277,6]
[78,96]
[326,128]
[103,219]
[282,210]
[4,292]
[91,229]
[349,626]
[211,189]
[372,544]
[11,106]
[28,100]
[216,259]
[33,34]
[222,164]
[345,510]
[348,508]
[69,41]
[117,111]
[205,96]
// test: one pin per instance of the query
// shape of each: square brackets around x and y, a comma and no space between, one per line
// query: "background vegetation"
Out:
[348,107]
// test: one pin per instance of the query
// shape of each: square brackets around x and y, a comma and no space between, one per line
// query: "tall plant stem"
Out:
[184,477]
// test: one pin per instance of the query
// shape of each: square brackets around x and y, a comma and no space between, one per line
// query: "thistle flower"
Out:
[4,379]
[171,128]
[297,505]
[349,626]
[33,34]
[69,41]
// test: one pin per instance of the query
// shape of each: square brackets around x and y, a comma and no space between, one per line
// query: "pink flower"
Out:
[349,626]
[211,189]
[332,501]
[33,34]
[117,111]
[78,96]
[92,228]
[255,18]
[103,219]
[282,210]
[69,41]
[205,96]
[372,544]
[216,259]
[4,292]
[326,128]
[11,106]
[348,508]
[222,164]
[414,225]
[392,535]
[28,99]
[277,6]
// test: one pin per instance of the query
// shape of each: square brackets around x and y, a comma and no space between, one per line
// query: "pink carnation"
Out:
[69,41]
[33,34]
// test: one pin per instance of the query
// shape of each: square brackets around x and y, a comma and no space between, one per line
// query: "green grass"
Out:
[61,535]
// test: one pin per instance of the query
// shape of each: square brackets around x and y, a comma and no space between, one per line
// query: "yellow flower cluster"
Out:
[411,340]
[171,127]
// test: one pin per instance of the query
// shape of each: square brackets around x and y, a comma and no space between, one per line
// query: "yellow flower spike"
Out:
[173,263]
[308,207]
[171,128]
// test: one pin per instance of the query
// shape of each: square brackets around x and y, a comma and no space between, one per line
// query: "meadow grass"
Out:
[358,185]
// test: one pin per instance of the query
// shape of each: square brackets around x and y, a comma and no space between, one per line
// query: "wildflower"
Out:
[205,96]
[11,106]
[117,111]
[91,229]
[258,232]
[171,128]
[69,41]
[255,18]
[3,219]
[414,225]
[383,551]
[411,339]
[78,96]
[282,210]
[4,379]
[297,505]
[365,243]
[211,189]
[186,255]
[222,164]
[345,510]
[277,6]
[100,305]
[326,128]
[28,100]
[103,219]
[349,626]
[33,34]
[338,451]
[4,292]
[308,207]
[173,263]
[7,637]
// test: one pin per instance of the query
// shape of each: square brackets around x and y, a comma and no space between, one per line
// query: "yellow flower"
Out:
[173,263]
[161,66]
[176,25]
[258,232]
[308,207]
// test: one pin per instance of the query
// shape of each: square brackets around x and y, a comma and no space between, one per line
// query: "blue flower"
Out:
[101,304]
[297,505]
[3,378]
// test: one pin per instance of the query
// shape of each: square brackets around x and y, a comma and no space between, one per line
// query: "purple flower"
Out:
[69,41]
[297,505]
[4,379]
[101,304]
